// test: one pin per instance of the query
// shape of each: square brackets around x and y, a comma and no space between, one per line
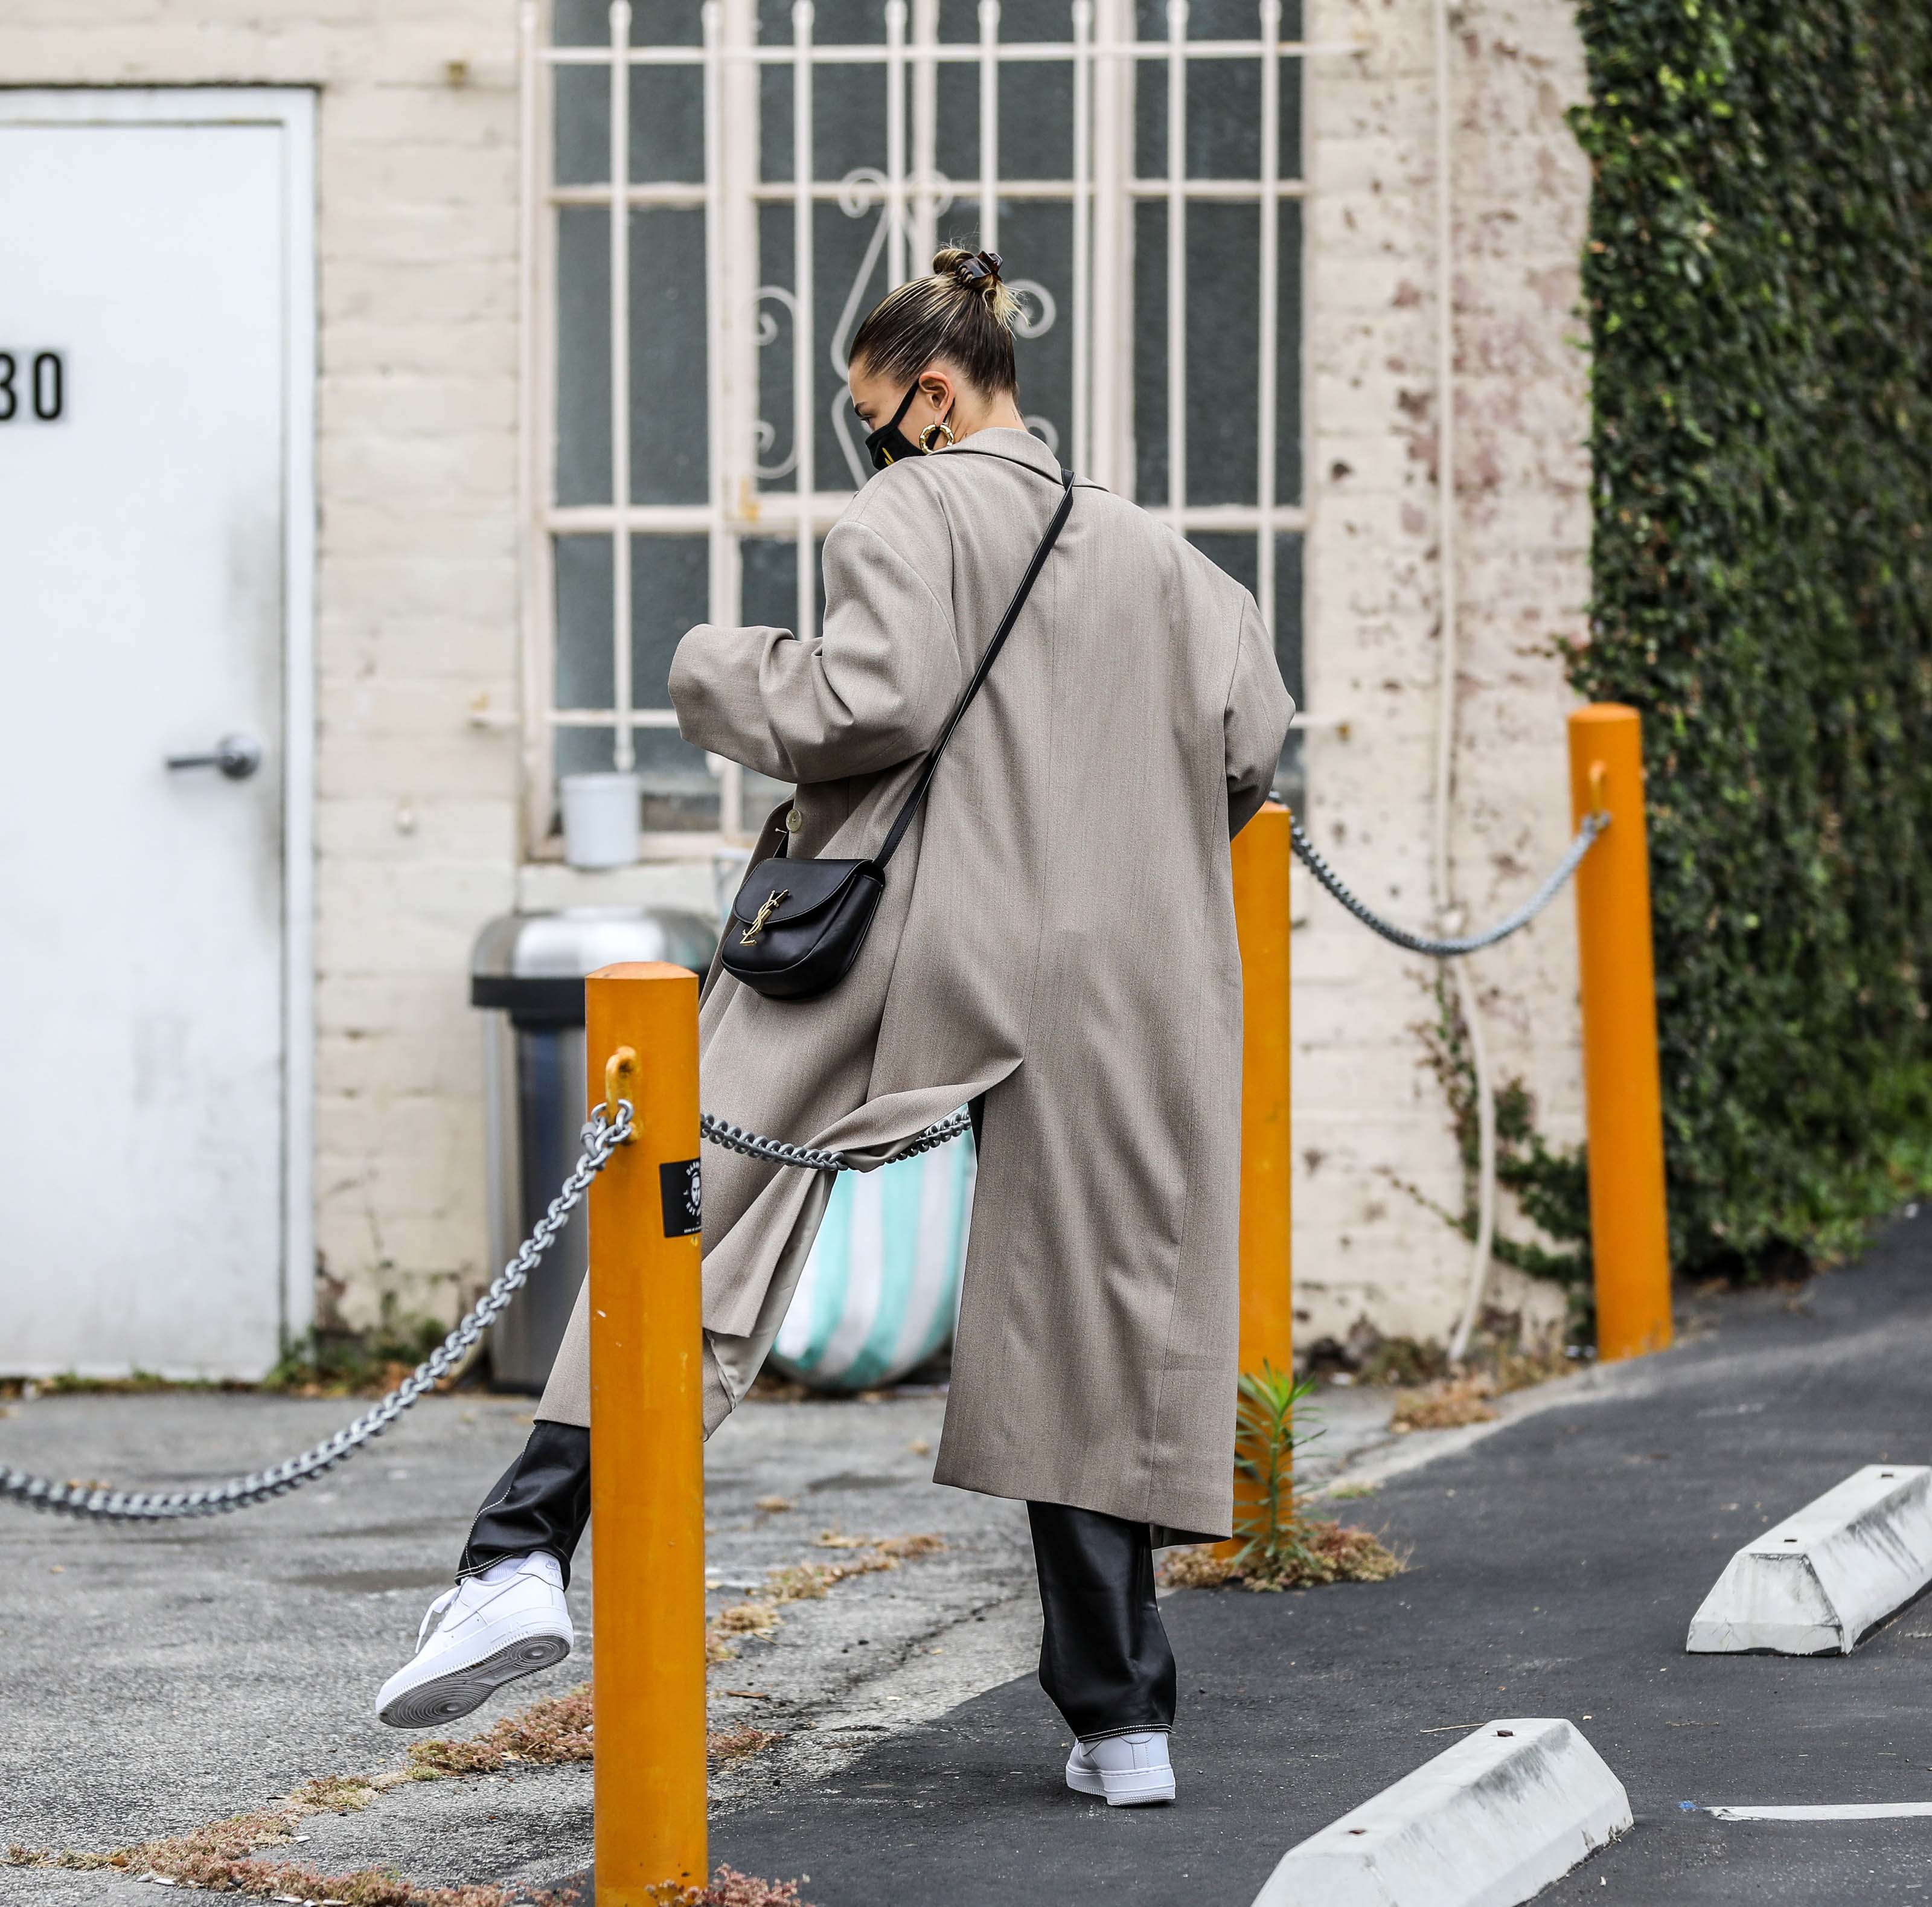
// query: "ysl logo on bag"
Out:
[750,936]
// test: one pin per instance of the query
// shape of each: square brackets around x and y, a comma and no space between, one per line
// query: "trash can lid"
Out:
[532,965]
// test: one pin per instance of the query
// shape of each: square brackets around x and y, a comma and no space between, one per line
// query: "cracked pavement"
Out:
[158,1677]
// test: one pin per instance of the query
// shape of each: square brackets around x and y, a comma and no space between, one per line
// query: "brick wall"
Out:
[415,823]
[1368,1113]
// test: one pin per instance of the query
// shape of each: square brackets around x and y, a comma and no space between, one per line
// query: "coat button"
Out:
[794,821]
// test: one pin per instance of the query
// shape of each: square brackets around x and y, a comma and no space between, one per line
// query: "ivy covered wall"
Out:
[1759,287]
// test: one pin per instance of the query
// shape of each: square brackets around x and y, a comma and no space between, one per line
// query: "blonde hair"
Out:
[961,311]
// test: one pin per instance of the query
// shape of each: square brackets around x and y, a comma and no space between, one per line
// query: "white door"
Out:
[150,377]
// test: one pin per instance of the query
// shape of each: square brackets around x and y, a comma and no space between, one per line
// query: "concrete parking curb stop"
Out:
[1815,1583]
[1488,1823]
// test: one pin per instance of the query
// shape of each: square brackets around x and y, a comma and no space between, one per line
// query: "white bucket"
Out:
[600,819]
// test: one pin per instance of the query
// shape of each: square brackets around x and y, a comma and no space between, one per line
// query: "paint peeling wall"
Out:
[417,592]
[1374,1149]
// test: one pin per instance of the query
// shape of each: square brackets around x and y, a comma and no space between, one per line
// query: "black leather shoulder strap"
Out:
[903,820]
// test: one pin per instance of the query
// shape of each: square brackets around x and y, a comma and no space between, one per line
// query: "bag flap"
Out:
[806,886]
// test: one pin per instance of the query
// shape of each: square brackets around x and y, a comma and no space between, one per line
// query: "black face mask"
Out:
[889,443]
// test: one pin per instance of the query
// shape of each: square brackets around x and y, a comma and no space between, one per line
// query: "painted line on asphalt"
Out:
[1829,1811]
[1815,1583]
[1490,1822]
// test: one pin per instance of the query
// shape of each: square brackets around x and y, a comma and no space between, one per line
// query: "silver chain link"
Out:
[735,1138]
[601,1137]
[1594,824]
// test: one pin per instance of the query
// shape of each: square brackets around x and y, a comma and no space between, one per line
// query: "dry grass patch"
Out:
[809,1582]
[907,1548]
[224,1856]
[739,1744]
[221,1858]
[1446,1404]
[551,1734]
[730,1888]
[1498,1364]
[1323,1552]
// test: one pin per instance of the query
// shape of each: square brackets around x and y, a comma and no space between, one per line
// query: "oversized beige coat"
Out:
[1057,932]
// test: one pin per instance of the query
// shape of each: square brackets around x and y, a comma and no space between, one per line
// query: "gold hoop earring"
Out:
[925,436]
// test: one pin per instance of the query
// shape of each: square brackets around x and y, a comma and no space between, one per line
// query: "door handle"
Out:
[237,756]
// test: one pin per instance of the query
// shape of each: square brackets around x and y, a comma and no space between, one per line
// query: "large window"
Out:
[780,167]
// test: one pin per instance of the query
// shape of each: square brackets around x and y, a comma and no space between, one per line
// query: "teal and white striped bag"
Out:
[880,1292]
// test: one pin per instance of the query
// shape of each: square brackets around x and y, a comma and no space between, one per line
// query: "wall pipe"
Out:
[1447,912]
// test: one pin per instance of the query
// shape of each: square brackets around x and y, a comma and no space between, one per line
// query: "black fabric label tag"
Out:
[683,1198]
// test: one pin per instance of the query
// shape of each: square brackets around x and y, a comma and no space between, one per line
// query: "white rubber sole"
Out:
[449,1693]
[1135,1788]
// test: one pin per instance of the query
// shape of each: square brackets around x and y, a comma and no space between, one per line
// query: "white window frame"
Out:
[907,199]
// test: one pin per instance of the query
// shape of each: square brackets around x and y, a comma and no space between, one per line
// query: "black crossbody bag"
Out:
[797,926]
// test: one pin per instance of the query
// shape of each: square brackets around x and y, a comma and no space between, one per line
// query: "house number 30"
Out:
[38,384]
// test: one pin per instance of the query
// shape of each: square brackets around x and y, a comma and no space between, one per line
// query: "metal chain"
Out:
[601,1137]
[754,1145]
[1594,824]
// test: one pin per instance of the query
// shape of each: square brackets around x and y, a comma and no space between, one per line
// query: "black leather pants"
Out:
[542,1501]
[1104,1657]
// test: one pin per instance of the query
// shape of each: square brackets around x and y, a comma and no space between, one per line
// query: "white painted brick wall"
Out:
[416,605]
[1368,1111]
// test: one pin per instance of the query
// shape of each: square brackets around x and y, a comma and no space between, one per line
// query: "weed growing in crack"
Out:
[548,1734]
[222,1857]
[739,1744]
[728,1888]
[1282,1546]
[809,1582]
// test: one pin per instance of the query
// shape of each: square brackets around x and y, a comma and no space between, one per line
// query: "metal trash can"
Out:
[527,971]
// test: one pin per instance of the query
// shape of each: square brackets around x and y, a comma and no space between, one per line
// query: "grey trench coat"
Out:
[1057,932]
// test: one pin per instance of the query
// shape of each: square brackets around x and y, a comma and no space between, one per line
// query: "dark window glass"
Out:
[1037,239]
[1223,340]
[583,354]
[1236,554]
[669,461]
[666,126]
[669,584]
[768,589]
[580,105]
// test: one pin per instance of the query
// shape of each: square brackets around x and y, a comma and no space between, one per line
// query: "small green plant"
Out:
[1266,1438]
[1281,1547]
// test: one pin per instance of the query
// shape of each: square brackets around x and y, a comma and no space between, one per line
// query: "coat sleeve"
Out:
[873,689]
[1255,723]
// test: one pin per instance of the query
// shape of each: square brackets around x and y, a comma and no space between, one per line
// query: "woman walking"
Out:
[1054,945]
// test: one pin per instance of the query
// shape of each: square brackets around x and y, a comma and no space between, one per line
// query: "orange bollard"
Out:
[1623,1096]
[647,1439]
[1262,857]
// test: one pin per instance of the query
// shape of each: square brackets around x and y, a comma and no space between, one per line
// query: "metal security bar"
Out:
[759,94]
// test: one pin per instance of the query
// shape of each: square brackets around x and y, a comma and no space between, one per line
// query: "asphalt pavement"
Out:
[154,1680]
[1554,1570]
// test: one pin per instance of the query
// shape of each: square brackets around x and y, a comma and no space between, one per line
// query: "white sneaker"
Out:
[1131,1771]
[509,1620]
